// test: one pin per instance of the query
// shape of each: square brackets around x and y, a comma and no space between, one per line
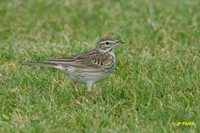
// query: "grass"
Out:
[156,82]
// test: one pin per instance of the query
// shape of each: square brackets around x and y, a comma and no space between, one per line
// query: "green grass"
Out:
[156,82]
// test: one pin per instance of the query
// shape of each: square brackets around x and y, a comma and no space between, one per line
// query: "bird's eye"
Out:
[107,43]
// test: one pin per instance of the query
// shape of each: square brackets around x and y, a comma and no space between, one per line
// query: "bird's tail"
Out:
[47,64]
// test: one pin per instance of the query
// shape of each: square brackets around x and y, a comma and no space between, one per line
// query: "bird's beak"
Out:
[119,42]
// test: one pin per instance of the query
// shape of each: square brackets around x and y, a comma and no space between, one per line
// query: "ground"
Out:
[154,88]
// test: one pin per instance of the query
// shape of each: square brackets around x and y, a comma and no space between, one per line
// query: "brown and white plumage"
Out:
[89,67]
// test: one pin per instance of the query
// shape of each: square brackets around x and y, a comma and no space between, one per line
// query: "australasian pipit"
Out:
[89,67]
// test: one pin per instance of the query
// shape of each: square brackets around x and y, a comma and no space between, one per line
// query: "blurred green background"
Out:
[156,82]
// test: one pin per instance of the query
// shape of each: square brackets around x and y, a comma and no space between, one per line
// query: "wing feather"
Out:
[91,59]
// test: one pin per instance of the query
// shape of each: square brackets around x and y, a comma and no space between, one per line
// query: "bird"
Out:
[89,67]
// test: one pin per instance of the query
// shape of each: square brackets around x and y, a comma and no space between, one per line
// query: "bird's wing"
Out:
[91,59]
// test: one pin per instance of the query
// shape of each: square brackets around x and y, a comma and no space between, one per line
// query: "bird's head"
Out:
[108,44]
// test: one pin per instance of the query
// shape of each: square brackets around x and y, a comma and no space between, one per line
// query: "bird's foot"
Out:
[91,95]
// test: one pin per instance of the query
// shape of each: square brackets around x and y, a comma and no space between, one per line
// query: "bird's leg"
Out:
[74,84]
[89,87]
[89,90]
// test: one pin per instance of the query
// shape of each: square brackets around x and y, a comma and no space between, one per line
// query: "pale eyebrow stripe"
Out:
[108,41]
